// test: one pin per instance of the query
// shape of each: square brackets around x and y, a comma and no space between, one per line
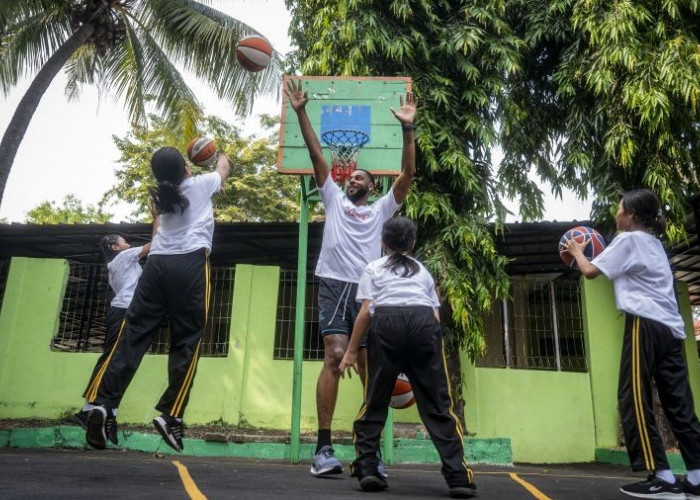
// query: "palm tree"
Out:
[128,48]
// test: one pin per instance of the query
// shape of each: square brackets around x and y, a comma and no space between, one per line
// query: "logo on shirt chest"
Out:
[352,213]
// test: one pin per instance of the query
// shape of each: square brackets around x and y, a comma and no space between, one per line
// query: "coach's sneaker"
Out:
[654,487]
[171,430]
[96,432]
[692,492]
[325,463]
[80,418]
[381,469]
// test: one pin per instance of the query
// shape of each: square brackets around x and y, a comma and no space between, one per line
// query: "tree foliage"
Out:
[71,211]
[458,55]
[607,99]
[253,192]
[596,96]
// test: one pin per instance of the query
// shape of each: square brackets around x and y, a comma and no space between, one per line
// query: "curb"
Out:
[406,451]
[620,457]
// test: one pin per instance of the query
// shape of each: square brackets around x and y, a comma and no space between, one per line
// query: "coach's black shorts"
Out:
[337,308]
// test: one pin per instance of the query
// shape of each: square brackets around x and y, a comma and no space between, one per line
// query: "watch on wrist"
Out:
[408,126]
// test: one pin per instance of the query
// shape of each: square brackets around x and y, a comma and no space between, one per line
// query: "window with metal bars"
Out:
[286,308]
[82,319]
[539,328]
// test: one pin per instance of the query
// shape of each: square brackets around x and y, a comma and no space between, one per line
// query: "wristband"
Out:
[408,126]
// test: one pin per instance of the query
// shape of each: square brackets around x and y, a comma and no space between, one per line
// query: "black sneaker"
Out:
[111,428]
[80,418]
[171,430]
[692,492]
[654,487]
[96,432]
[466,491]
[373,483]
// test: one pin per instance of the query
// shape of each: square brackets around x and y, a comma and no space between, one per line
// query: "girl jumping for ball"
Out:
[175,281]
[652,347]
[400,309]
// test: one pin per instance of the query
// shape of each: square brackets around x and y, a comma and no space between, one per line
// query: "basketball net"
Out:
[345,145]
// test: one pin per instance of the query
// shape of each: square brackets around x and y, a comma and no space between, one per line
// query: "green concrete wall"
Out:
[247,387]
[547,415]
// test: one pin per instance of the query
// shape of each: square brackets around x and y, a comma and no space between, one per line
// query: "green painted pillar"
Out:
[299,323]
[603,327]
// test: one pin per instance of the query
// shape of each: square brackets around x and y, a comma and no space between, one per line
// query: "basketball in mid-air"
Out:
[253,53]
[402,396]
[202,151]
[581,234]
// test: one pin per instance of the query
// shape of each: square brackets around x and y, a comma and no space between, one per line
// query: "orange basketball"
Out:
[402,396]
[201,151]
[254,53]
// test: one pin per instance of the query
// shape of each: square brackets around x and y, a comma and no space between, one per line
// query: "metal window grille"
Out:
[4,271]
[286,308]
[540,327]
[87,296]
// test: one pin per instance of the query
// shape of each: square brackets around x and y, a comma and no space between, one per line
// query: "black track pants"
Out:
[649,351]
[409,340]
[176,285]
[114,319]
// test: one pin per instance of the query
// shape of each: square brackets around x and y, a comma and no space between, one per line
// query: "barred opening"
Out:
[286,307]
[540,327]
[87,296]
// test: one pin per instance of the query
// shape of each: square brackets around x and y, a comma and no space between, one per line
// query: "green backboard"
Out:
[347,103]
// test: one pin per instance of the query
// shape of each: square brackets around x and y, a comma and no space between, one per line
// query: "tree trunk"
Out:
[30,101]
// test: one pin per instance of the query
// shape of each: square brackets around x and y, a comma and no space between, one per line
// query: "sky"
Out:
[68,147]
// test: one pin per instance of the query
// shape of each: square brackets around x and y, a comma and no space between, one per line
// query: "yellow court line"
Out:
[529,487]
[187,481]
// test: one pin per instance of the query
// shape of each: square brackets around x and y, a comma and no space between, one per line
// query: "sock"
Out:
[88,406]
[324,438]
[114,412]
[665,475]
[693,477]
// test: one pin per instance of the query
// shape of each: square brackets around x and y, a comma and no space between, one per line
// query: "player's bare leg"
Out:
[326,396]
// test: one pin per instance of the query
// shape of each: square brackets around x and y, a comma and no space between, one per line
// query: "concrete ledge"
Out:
[619,457]
[484,451]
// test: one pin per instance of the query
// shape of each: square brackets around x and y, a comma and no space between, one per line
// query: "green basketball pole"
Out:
[299,323]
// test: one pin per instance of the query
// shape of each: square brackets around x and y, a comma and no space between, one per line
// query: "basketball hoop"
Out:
[345,145]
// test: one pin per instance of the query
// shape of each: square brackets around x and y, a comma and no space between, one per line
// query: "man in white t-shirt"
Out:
[351,239]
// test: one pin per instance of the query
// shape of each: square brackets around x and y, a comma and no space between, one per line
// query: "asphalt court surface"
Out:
[108,474]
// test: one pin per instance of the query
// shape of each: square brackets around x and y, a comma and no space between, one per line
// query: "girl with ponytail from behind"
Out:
[400,310]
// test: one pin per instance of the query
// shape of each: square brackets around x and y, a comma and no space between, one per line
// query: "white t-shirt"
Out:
[639,268]
[352,234]
[123,273]
[194,228]
[385,288]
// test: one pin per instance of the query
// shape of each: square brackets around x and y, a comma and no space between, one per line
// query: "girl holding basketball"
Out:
[400,309]
[123,273]
[652,346]
[175,281]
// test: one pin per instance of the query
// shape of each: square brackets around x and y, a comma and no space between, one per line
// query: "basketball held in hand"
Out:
[402,395]
[202,151]
[253,53]
[581,234]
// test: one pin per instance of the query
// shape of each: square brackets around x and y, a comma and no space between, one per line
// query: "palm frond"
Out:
[28,42]
[140,71]
[204,41]
[83,67]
